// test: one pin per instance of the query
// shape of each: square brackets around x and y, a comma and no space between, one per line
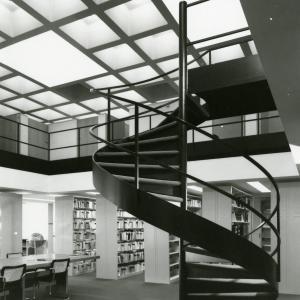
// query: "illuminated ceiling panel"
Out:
[86,116]
[56,9]
[136,16]
[49,98]
[72,109]
[49,59]
[4,94]
[131,95]
[211,18]
[97,103]
[252,47]
[159,45]
[14,20]
[100,1]
[119,56]
[119,113]
[4,71]
[7,111]
[225,54]
[105,81]
[20,85]
[90,32]
[48,114]
[138,74]
[23,104]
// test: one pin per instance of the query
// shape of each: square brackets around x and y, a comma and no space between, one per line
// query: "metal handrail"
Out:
[214,137]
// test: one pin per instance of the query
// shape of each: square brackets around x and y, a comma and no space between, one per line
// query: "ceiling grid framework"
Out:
[77,26]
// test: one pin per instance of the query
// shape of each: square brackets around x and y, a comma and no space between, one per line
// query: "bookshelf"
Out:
[194,203]
[130,239]
[240,214]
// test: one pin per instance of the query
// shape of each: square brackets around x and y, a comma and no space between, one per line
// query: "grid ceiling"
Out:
[51,49]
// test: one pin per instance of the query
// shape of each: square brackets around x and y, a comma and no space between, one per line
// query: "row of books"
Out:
[85,214]
[84,225]
[84,203]
[84,245]
[130,257]
[124,214]
[130,235]
[131,269]
[81,235]
[130,224]
[131,246]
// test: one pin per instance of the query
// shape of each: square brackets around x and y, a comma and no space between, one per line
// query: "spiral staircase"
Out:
[145,174]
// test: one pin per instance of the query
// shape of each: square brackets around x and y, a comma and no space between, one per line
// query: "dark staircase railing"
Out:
[141,173]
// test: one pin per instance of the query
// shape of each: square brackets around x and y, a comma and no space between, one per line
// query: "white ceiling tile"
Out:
[253,47]
[49,98]
[4,71]
[56,9]
[72,109]
[97,103]
[105,81]
[23,104]
[136,16]
[100,1]
[225,54]
[160,44]
[20,85]
[48,114]
[86,116]
[14,20]
[119,113]
[119,56]
[34,118]
[1,39]
[131,95]
[7,111]
[4,94]
[49,59]
[139,74]
[90,32]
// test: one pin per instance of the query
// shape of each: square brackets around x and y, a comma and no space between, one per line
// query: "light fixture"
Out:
[92,193]
[195,188]
[55,195]
[258,186]
[22,193]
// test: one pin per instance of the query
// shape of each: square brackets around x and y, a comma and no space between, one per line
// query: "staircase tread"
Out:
[167,197]
[149,180]
[216,265]
[124,165]
[230,280]
[148,141]
[140,152]
[158,128]
[239,294]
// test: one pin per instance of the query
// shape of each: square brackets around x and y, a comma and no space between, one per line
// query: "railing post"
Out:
[108,115]
[78,142]
[49,149]
[209,57]
[136,141]
[182,128]
[18,139]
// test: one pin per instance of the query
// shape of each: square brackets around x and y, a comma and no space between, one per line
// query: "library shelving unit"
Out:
[162,255]
[75,221]
[240,214]
[194,203]
[266,229]
[130,238]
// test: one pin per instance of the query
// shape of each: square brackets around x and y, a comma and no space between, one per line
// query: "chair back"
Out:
[13,273]
[60,265]
[14,255]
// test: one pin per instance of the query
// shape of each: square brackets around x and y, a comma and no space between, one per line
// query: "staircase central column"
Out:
[182,128]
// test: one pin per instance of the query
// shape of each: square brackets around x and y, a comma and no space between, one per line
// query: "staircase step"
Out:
[157,129]
[217,270]
[234,296]
[149,180]
[120,153]
[141,166]
[200,251]
[150,141]
[226,285]
[167,197]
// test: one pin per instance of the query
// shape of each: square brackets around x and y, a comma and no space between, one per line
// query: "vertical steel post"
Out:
[18,148]
[182,128]
[108,115]
[136,141]
[78,142]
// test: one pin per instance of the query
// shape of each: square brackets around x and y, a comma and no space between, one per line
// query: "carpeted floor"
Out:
[87,287]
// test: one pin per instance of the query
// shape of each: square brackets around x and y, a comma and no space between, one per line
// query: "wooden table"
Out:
[34,262]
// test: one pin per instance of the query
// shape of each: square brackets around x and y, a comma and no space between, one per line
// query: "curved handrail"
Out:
[214,137]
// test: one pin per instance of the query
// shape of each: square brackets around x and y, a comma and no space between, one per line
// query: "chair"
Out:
[12,281]
[14,255]
[56,274]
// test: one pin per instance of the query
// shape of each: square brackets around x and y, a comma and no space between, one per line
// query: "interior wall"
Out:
[10,223]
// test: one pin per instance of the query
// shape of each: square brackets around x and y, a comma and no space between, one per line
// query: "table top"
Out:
[42,260]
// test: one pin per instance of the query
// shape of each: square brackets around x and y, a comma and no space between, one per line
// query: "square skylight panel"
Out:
[105,81]
[4,94]
[14,20]
[49,59]
[100,1]
[120,56]
[160,44]
[86,116]
[119,113]
[49,98]
[23,104]
[252,47]
[136,16]
[131,95]
[56,9]
[1,39]
[97,104]
[48,114]
[225,54]
[139,74]
[4,71]
[90,32]
[72,109]
[7,111]
[20,85]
